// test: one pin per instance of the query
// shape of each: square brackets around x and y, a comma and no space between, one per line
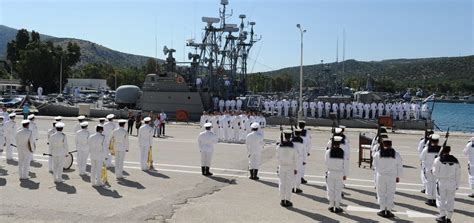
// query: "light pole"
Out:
[302,31]
[11,76]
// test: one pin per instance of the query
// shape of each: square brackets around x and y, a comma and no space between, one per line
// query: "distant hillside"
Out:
[399,70]
[91,52]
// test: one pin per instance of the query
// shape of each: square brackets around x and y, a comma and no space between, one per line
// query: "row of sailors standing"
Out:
[227,105]
[232,127]
[320,109]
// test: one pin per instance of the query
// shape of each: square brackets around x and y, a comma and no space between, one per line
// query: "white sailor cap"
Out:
[287,131]
[58,118]
[59,125]
[342,126]
[301,121]
[122,121]
[101,119]
[110,116]
[32,116]
[255,125]
[337,138]
[298,130]
[147,119]
[337,130]
[1,117]
[81,117]
[13,114]
[472,139]
[84,124]
[25,122]
[207,125]
[435,137]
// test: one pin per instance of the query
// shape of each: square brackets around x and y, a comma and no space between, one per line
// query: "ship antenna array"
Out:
[221,57]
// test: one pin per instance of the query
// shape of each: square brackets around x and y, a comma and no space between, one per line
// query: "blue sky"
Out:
[375,29]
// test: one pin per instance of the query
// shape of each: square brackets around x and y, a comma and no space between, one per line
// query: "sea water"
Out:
[456,116]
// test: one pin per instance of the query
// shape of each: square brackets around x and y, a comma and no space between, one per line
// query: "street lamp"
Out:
[302,31]
[61,72]
[11,76]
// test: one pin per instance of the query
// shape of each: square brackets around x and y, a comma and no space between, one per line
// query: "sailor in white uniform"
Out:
[366,110]
[312,107]
[299,146]
[145,142]
[82,147]
[279,106]
[239,105]
[97,150]
[381,108]
[80,119]
[221,105]
[388,168]
[287,158]
[206,142]
[120,145]
[342,109]
[421,145]
[337,169]
[26,146]
[272,105]
[305,108]
[307,147]
[373,109]
[327,108]
[10,133]
[109,127]
[255,143]
[447,171]
[294,107]
[320,109]
[427,157]
[469,152]
[233,103]
[348,110]
[50,158]
[59,149]
[34,130]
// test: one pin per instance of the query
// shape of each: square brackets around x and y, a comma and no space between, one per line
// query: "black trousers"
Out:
[130,127]
[162,129]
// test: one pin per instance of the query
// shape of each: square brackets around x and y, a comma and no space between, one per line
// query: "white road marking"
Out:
[409,213]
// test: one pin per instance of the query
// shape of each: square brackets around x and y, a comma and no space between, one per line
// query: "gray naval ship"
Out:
[217,69]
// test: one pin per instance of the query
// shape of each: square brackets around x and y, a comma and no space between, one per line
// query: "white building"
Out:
[86,84]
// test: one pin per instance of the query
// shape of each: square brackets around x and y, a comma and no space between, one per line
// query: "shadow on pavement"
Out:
[3,172]
[130,183]
[29,184]
[369,193]
[417,208]
[12,162]
[155,173]
[314,198]
[356,218]
[268,183]
[36,164]
[86,178]
[125,173]
[107,192]
[321,187]
[69,170]
[409,167]
[463,212]
[65,177]
[362,203]
[63,187]
[462,200]
[314,216]
[3,182]
[223,180]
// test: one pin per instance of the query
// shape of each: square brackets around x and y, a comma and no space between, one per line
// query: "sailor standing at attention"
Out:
[255,143]
[421,145]
[299,146]
[59,149]
[337,169]
[120,144]
[82,147]
[469,152]
[145,142]
[307,147]
[221,105]
[34,131]
[10,133]
[294,107]
[388,169]
[206,141]
[447,172]
[427,157]
[305,109]
[26,146]
[97,149]
[287,169]
[279,105]
[320,109]
[78,126]
[50,158]
[312,107]
[109,127]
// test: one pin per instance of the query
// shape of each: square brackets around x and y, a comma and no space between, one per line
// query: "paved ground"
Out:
[178,193]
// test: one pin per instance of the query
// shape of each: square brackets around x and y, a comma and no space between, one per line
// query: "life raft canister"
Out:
[179,80]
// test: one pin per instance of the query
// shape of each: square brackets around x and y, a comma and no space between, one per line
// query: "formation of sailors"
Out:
[353,110]
[232,127]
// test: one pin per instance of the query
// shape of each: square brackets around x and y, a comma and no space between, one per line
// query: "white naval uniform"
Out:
[2,137]
[421,146]
[232,105]
[294,107]
[254,143]
[469,152]
[337,167]
[286,107]
[427,158]
[307,147]
[344,145]
[50,158]
[387,169]
[305,109]
[342,109]
[77,127]
[59,149]
[320,109]
[373,108]
[34,129]
[227,105]
[312,107]
[272,107]
[120,140]
[287,159]
[25,141]
[299,146]
[82,147]
[221,105]
[108,129]
[327,108]
[145,142]
[366,110]
[239,105]
[447,172]
[206,141]
[97,150]
[381,107]
[279,106]
[10,132]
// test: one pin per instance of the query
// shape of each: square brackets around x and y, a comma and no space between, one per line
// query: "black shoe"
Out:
[338,210]
[207,172]
[441,219]
[282,203]
[423,191]
[255,173]
[471,195]
[431,202]
[251,174]
[297,191]
[448,220]
[389,214]
[203,170]
[331,209]
[289,204]
[381,214]
[303,181]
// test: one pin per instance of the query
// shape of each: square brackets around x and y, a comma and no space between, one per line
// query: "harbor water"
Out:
[455,116]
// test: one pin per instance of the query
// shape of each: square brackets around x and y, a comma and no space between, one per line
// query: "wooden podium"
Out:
[365,155]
